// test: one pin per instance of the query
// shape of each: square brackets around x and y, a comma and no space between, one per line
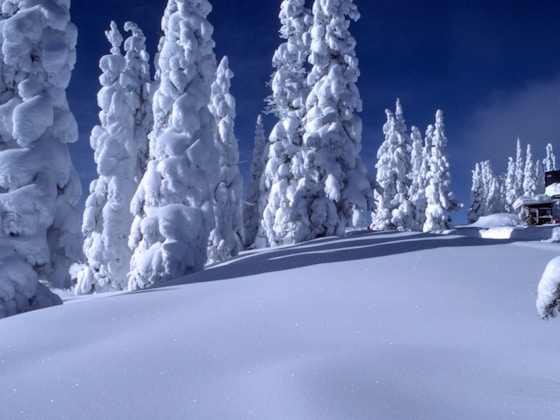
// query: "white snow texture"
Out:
[39,235]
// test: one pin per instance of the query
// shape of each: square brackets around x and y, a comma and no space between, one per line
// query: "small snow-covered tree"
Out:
[284,166]
[253,197]
[529,176]
[336,187]
[226,240]
[39,225]
[440,199]
[549,162]
[173,205]
[394,209]
[477,207]
[120,144]
[548,300]
[539,178]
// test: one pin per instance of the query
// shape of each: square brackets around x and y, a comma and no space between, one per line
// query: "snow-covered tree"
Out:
[492,189]
[394,209]
[417,192]
[120,145]
[336,187]
[173,205]
[509,194]
[548,300]
[529,176]
[226,240]
[440,199]
[251,212]
[519,170]
[284,167]
[40,228]
[549,162]
[477,206]
[539,177]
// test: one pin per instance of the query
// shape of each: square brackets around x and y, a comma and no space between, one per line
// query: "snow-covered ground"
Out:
[373,326]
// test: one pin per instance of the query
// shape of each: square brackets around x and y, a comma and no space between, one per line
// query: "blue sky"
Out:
[493,67]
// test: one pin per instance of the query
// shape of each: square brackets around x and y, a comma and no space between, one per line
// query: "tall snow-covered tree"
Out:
[519,170]
[251,212]
[508,186]
[549,162]
[284,167]
[120,144]
[394,209]
[40,228]
[440,199]
[336,187]
[529,176]
[226,239]
[539,178]
[417,192]
[173,205]
[492,189]
[477,206]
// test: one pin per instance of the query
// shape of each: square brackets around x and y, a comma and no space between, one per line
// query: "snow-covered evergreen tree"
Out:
[336,187]
[120,145]
[509,194]
[284,167]
[539,177]
[394,209]
[519,170]
[173,205]
[40,228]
[226,240]
[548,300]
[440,199]
[477,206]
[251,212]
[492,190]
[549,162]
[529,176]
[417,192]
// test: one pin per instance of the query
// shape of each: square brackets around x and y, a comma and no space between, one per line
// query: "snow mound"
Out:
[497,221]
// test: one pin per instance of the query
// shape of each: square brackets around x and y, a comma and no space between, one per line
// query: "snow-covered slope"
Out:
[374,326]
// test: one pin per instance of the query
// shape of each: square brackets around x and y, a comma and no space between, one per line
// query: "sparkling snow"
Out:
[374,326]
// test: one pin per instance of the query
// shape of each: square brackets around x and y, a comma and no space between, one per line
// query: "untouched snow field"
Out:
[373,326]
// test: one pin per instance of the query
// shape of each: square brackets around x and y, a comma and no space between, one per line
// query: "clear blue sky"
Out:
[493,67]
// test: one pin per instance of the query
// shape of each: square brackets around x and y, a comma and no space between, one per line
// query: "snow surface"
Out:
[374,326]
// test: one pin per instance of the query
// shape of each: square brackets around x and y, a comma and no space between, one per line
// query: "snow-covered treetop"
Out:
[115,38]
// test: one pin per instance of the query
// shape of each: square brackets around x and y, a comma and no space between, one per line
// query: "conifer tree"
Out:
[173,205]
[477,206]
[549,162]
[254,200]
[284,167]
[440,199]
[39,228]
[417,191]
[336,187]
[226,240]
[492,189]
[529,178]
[394,209]
[119,143]
[519,170]
[509,193]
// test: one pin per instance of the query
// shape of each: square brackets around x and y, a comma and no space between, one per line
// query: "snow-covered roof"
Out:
[553,190]
[528,201]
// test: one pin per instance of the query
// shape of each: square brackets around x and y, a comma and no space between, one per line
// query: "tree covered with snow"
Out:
[492,189]
[529,174]
[173,205]
[120,146]
[336,187]
[226,239]
[509,194]
[251,212]
[440,199]
[284,164]
[549,162]
[394,208]
[548,299]
[519,169]
[477,207]
[417,191]
[40,233]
